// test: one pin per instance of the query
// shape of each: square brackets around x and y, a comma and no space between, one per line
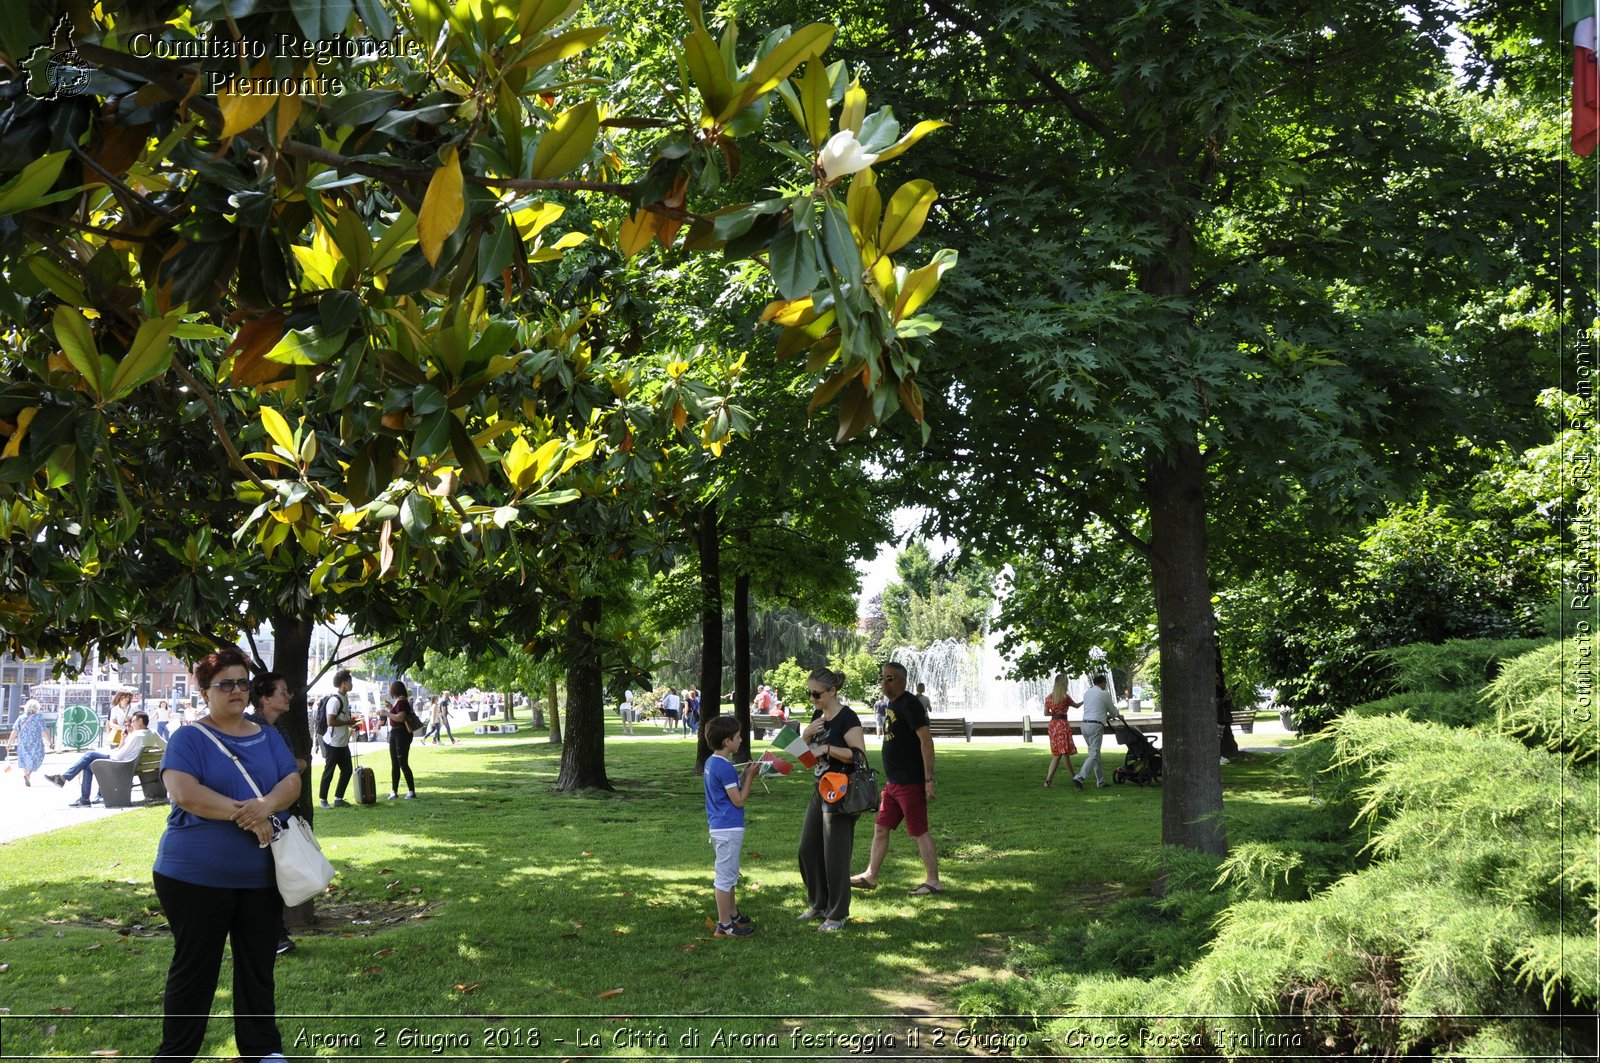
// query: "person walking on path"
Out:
[1056,704]
[336,720]
[827,839]
[1097,709]
[32,735]
[909,786]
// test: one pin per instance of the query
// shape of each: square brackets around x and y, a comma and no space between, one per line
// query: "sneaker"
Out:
[1077,782]
[733,929]
[742,920]
[391,797]
[286,945]
[410,794]
[79,803]
[339,802]
[325,803]
[809,914]
[828,926]
[59,780]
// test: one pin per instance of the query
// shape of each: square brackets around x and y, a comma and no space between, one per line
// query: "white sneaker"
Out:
[391,797]
[410,794]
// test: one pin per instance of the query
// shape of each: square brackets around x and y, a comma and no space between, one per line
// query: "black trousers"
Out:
[400,759]
[336,757]
[827,843]
[202,919]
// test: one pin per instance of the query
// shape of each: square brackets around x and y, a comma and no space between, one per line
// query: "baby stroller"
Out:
[1143,764]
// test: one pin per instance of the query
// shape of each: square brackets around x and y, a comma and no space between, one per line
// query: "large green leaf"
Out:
[567,142]
[147,358]
[28,188]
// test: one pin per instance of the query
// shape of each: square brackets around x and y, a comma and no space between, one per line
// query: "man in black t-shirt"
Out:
[908,771]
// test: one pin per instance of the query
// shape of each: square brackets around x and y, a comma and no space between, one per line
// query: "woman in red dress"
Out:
[1056,704]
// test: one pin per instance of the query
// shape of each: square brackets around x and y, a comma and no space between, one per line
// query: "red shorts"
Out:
[904,801]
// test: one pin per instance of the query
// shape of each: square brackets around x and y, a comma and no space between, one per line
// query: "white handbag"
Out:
[302,870]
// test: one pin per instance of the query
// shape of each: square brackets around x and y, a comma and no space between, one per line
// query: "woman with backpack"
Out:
[403,720]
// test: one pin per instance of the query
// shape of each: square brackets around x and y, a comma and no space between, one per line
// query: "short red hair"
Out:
[211,664]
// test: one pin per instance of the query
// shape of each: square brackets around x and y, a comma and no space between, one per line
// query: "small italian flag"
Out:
[790,742]
[1580,22]
[772,764]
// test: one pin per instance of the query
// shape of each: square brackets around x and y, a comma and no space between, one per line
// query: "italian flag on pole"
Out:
[1580,22]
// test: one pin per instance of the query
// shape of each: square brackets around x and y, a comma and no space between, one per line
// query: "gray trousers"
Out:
[827,844]
[1093,731]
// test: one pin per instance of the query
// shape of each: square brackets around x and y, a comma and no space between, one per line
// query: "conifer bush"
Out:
[1466,889]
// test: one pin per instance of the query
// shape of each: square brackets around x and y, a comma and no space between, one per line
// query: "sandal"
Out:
[927,889]
[862,882]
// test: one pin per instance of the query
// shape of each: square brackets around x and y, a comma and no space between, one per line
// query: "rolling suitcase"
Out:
[366,786]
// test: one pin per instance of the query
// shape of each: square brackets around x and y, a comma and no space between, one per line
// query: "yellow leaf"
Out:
[920,284]
[815,94]
[288,114]
[637,232]
[241,112]
[864,205]
[918,131]
[518,464]
[906,214]
[854,111]
[534,219]
[442,206]
[14,445]
[544,457]
[581,452]
[278,429]
[567,141]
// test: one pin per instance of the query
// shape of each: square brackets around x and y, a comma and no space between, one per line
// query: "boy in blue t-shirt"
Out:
[726,792]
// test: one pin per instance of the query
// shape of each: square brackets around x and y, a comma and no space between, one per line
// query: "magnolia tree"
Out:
[314,308]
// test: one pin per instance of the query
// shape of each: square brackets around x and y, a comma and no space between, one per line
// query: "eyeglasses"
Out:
[815,694]
[229,686]
[891,678]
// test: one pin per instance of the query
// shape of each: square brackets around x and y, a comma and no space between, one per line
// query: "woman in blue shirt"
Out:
[213,873]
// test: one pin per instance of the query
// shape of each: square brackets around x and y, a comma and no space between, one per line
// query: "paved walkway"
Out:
[42,807]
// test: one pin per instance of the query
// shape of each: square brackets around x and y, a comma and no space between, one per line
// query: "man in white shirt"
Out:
[1097,708]
[336,739]
[132,745]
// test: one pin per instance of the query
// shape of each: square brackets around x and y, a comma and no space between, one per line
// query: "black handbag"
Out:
[861,794]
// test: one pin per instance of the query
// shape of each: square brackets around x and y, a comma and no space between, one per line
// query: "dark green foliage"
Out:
[1454,708]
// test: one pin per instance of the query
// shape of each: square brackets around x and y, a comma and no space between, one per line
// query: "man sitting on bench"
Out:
[132,745]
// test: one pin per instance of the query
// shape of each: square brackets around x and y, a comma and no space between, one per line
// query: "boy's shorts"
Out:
[904,801]
[727,842]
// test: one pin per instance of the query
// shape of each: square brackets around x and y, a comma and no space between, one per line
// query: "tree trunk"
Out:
[1191,788]
[710,537]
[741,653]
[291,659]
[507,708]
[555,713]
[1229,744]
[583,756]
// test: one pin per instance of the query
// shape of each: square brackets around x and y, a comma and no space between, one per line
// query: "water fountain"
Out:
[968,679]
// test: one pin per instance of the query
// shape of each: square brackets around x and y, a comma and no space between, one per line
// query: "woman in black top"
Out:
[401,716]
[827,839]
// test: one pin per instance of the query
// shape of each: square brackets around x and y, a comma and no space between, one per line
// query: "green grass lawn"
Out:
[495,911]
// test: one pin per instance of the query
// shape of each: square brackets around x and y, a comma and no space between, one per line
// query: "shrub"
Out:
[1453,665]
[1546,698]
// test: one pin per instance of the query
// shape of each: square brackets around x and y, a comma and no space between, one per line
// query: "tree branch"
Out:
[204,395]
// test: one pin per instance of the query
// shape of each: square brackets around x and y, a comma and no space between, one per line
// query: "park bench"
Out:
[116,777]
[1021,726]
[762,722]
[949,727]
[1245,719]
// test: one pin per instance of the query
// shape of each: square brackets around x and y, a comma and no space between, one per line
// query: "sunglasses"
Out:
[815,694]
[229,686]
